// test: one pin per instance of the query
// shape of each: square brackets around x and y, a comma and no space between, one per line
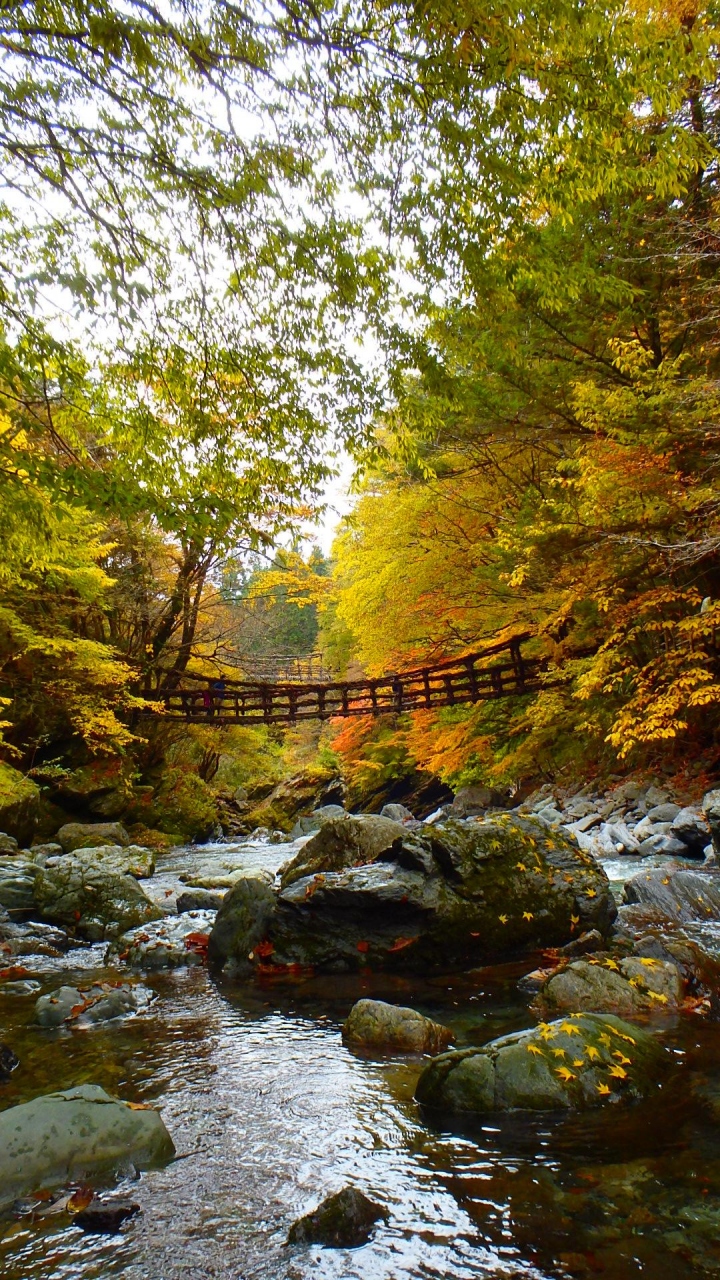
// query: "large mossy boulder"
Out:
[428,898]
[90,835]
[97,901]
[242,922]
[632,985]
[20,804]
[17,886]
[126,860]
[184,805]
[76,1134]
[279,806]
[103,788]
[582,1061]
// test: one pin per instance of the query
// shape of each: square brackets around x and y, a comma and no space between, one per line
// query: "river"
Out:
[270,1112]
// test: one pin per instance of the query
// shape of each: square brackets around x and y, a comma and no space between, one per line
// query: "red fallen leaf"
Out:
[400,943]
[124,954]
[80,1199]
[76,915]
[142,937]
[363,947]
[474,935]
[140,1106]
[264,949]
[197,942]
[77,1009]
[15,971]
[5,946]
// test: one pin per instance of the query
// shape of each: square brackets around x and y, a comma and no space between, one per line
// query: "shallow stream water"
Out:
[270,1112]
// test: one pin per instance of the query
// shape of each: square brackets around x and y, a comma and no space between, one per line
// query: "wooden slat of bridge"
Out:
[495,672]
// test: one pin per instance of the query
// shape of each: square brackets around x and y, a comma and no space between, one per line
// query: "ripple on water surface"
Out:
[270,1113]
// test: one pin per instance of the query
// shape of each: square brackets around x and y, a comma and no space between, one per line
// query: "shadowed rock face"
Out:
[582,1061]
[344,1220]
[422,899]
[678,894]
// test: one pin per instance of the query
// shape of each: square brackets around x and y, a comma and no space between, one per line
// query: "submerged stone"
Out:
[344,1220]
[583,1061]
[76,1134]
[373,1024]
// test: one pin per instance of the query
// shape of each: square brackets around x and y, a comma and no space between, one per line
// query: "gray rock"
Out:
[655,796]
[663,812]
[677,894]
[629,987]
[344,1221]
[130,860]
[473,800]
[431,898]
[105,1216]
[397,813]
[8,845]
[668,846]
[583,1061]
[199,900]
[586,823]
[690,827]
[41,852]
[99,903]
[17,885]
[711,810]
[31,938]
[310,822]
[22,987]
[171,943]
[646,828]
[623,838]
[76,1134]
[343,842]
[551,815]
[373,1024]
[86,835]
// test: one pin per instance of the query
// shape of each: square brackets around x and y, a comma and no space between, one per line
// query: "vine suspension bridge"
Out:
[499,670]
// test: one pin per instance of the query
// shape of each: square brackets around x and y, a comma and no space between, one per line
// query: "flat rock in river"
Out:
[170,943]
[583,1061]
[633,985]
[76,1134]
[680,895]
[98,902]
[428,898]
[373,1024]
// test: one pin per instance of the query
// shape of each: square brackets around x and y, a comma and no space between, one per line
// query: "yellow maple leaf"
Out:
[559,1053]
[578,1062]
[574,919]
[646,960]
[658,995]
[592,893]
[503,919]
[611,964]
[570,1027]
[621,1057]
[532,1048]
[591,1052]
[603,1088]
[620,1072]
[605,1039]
[528,915]
[521,866]
[565,1074]
[622,1036]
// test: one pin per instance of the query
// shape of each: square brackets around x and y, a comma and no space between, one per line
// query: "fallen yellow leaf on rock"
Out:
[603,1088]
[528,915]
[619,1072]
[564,1074]
[532,1048]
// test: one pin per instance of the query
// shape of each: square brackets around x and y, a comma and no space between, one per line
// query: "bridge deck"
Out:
[494,672]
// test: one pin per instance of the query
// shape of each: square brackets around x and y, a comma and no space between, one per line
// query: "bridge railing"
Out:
[494,672]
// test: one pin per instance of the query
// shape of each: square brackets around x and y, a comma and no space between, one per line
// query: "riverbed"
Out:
[269,1113]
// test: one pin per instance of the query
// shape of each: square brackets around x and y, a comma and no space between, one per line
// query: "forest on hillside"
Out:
[475,248]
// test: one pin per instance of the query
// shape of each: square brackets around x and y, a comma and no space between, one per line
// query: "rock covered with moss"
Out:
[373,1024]
[629,985]
[584,1060]
[97,900]
[428,898]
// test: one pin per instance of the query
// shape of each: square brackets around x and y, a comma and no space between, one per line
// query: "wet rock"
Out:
[583,1061]
[533,982]
[199,900]
[21,987]
[242,922]
[76,1134]
[8,845]
[91,835]
[17,885]
[310,822]
[98,902]
[633,985]
[666,812]
[344,1220]
[373,1024]
[32,938]
[677,893]
[171,943]
[41,852]
[131,860]
[711,811]
[343,842]
[584,945]
[666,845]
[431,898]
[8,1062]
[105,1216]
[89,1005]
[689,826]
[397,813]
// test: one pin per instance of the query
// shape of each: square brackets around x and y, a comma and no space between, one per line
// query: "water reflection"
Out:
[270,1113]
